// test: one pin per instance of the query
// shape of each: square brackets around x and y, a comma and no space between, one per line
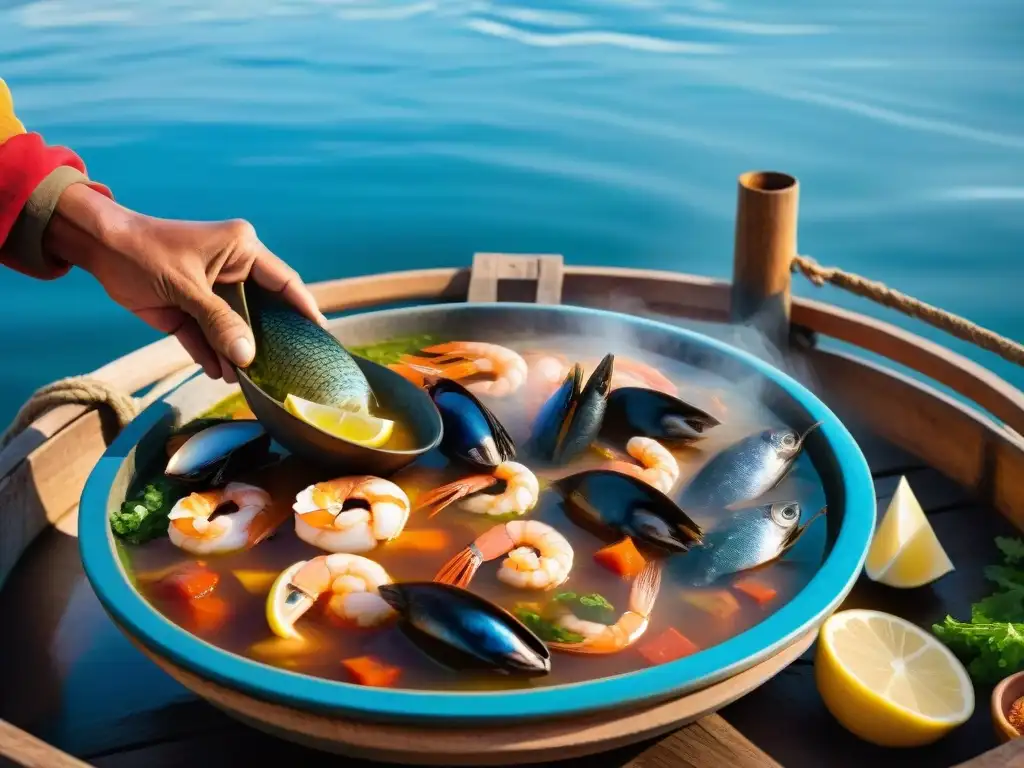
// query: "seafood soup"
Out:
[625,510]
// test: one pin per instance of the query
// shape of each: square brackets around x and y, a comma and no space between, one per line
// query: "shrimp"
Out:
[602,638]
[518,497]
[194,527]
[463,359]
[659,467]
[539,557]
[353,582]
[321,517]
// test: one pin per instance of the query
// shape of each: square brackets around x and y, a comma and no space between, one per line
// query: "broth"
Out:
[705,616]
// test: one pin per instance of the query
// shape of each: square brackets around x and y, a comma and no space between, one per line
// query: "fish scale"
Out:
[296,356]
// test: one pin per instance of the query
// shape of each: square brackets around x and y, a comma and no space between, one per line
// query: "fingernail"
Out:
[241,351]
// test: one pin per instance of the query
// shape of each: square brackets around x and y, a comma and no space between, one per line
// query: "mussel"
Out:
[181,435]
[463,631]
[746,539]
[634,411]
[612,505]
[571,418]
[213,455]
[472,432]
[745,470]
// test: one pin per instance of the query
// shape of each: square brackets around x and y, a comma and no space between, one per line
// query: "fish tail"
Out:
[461,569]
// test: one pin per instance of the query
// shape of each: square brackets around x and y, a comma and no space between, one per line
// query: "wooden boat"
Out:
[80,688]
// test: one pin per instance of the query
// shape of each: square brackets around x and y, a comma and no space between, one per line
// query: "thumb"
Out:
[224,328]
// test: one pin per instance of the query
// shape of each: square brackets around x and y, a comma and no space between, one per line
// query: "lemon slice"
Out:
[361,428]
[255,582]
[905,551]
[888,681]
[282,612]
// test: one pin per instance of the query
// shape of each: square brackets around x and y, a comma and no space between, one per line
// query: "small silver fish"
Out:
[747,539]
[745,470]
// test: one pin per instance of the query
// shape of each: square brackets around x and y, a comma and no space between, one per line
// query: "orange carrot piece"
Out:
[369,671]
[668,646]
[762,593]
[621,558]
[720,603]
[427,540]
[208,614]
[189,581]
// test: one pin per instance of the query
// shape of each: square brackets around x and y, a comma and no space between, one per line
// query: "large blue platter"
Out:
[834,454]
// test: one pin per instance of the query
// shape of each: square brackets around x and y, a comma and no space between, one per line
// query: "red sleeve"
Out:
[25,160]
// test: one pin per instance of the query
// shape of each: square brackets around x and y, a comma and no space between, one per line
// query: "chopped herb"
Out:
[592,607]
[388,352]
[144,517]
[543,628]
[992,642]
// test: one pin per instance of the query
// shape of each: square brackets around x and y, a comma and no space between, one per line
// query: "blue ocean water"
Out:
[363,135]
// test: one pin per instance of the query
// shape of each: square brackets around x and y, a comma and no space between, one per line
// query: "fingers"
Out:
[223,328]
[274,275]
[190,336]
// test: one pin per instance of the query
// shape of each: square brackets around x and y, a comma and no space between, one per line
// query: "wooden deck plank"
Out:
[66,649]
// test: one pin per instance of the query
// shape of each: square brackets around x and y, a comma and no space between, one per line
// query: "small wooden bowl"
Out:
[1008,691]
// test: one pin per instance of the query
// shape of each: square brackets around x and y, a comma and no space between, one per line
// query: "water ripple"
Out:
[590,38]
[392,13]
[746,27]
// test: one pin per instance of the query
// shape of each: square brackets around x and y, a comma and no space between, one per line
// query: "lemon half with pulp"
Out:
[889,681]
[360,428]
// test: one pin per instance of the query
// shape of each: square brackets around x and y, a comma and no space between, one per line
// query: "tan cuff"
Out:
[26,238]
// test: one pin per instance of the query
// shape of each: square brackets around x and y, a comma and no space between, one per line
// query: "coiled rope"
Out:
[75,390]
[908,305]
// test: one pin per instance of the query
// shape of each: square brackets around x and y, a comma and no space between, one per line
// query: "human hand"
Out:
[164,271]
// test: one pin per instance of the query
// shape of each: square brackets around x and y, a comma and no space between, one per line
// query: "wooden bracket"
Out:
[489,269]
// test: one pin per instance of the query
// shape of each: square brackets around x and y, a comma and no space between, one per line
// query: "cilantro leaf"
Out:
[1012,549]
[592,607]
[144,517]
[544,629]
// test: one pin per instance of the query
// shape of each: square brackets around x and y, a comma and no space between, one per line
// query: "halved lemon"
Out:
[281,614]
[905,551]
[361,428]
[889,681]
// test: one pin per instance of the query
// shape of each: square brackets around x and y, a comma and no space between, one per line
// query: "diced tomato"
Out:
[189,581]
[762,593]
[207,614]
[366,670]
[668,646]
[621,558]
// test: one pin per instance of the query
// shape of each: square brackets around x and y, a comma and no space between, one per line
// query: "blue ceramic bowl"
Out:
[836,458]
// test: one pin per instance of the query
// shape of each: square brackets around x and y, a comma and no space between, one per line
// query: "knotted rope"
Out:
[76,390]
[908,305]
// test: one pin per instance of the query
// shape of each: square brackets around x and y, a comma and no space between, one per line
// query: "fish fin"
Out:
[439,498]
[459,571]
[645,589]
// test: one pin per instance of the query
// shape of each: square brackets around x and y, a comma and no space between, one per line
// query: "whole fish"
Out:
[296,356]
[745,470]
[747,538]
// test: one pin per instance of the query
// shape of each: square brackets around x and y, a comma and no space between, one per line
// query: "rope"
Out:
[881,293]
[76,390]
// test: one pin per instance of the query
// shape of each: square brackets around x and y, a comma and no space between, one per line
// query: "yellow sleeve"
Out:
[10,125]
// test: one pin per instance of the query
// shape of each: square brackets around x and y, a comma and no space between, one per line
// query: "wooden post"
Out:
[766,216]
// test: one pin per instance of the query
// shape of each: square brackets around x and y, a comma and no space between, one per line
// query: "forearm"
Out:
[84,226]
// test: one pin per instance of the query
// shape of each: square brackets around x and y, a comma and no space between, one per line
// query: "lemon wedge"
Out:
[361,428]
[888,681]
[255,582]
[281,615]
[905,551]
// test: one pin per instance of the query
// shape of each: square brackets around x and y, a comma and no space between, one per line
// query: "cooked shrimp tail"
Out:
[439,498]
[601,639]
[461,569]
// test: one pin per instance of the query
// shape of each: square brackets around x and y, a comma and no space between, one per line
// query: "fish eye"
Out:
[785,513]
[789,512]
[789,439]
